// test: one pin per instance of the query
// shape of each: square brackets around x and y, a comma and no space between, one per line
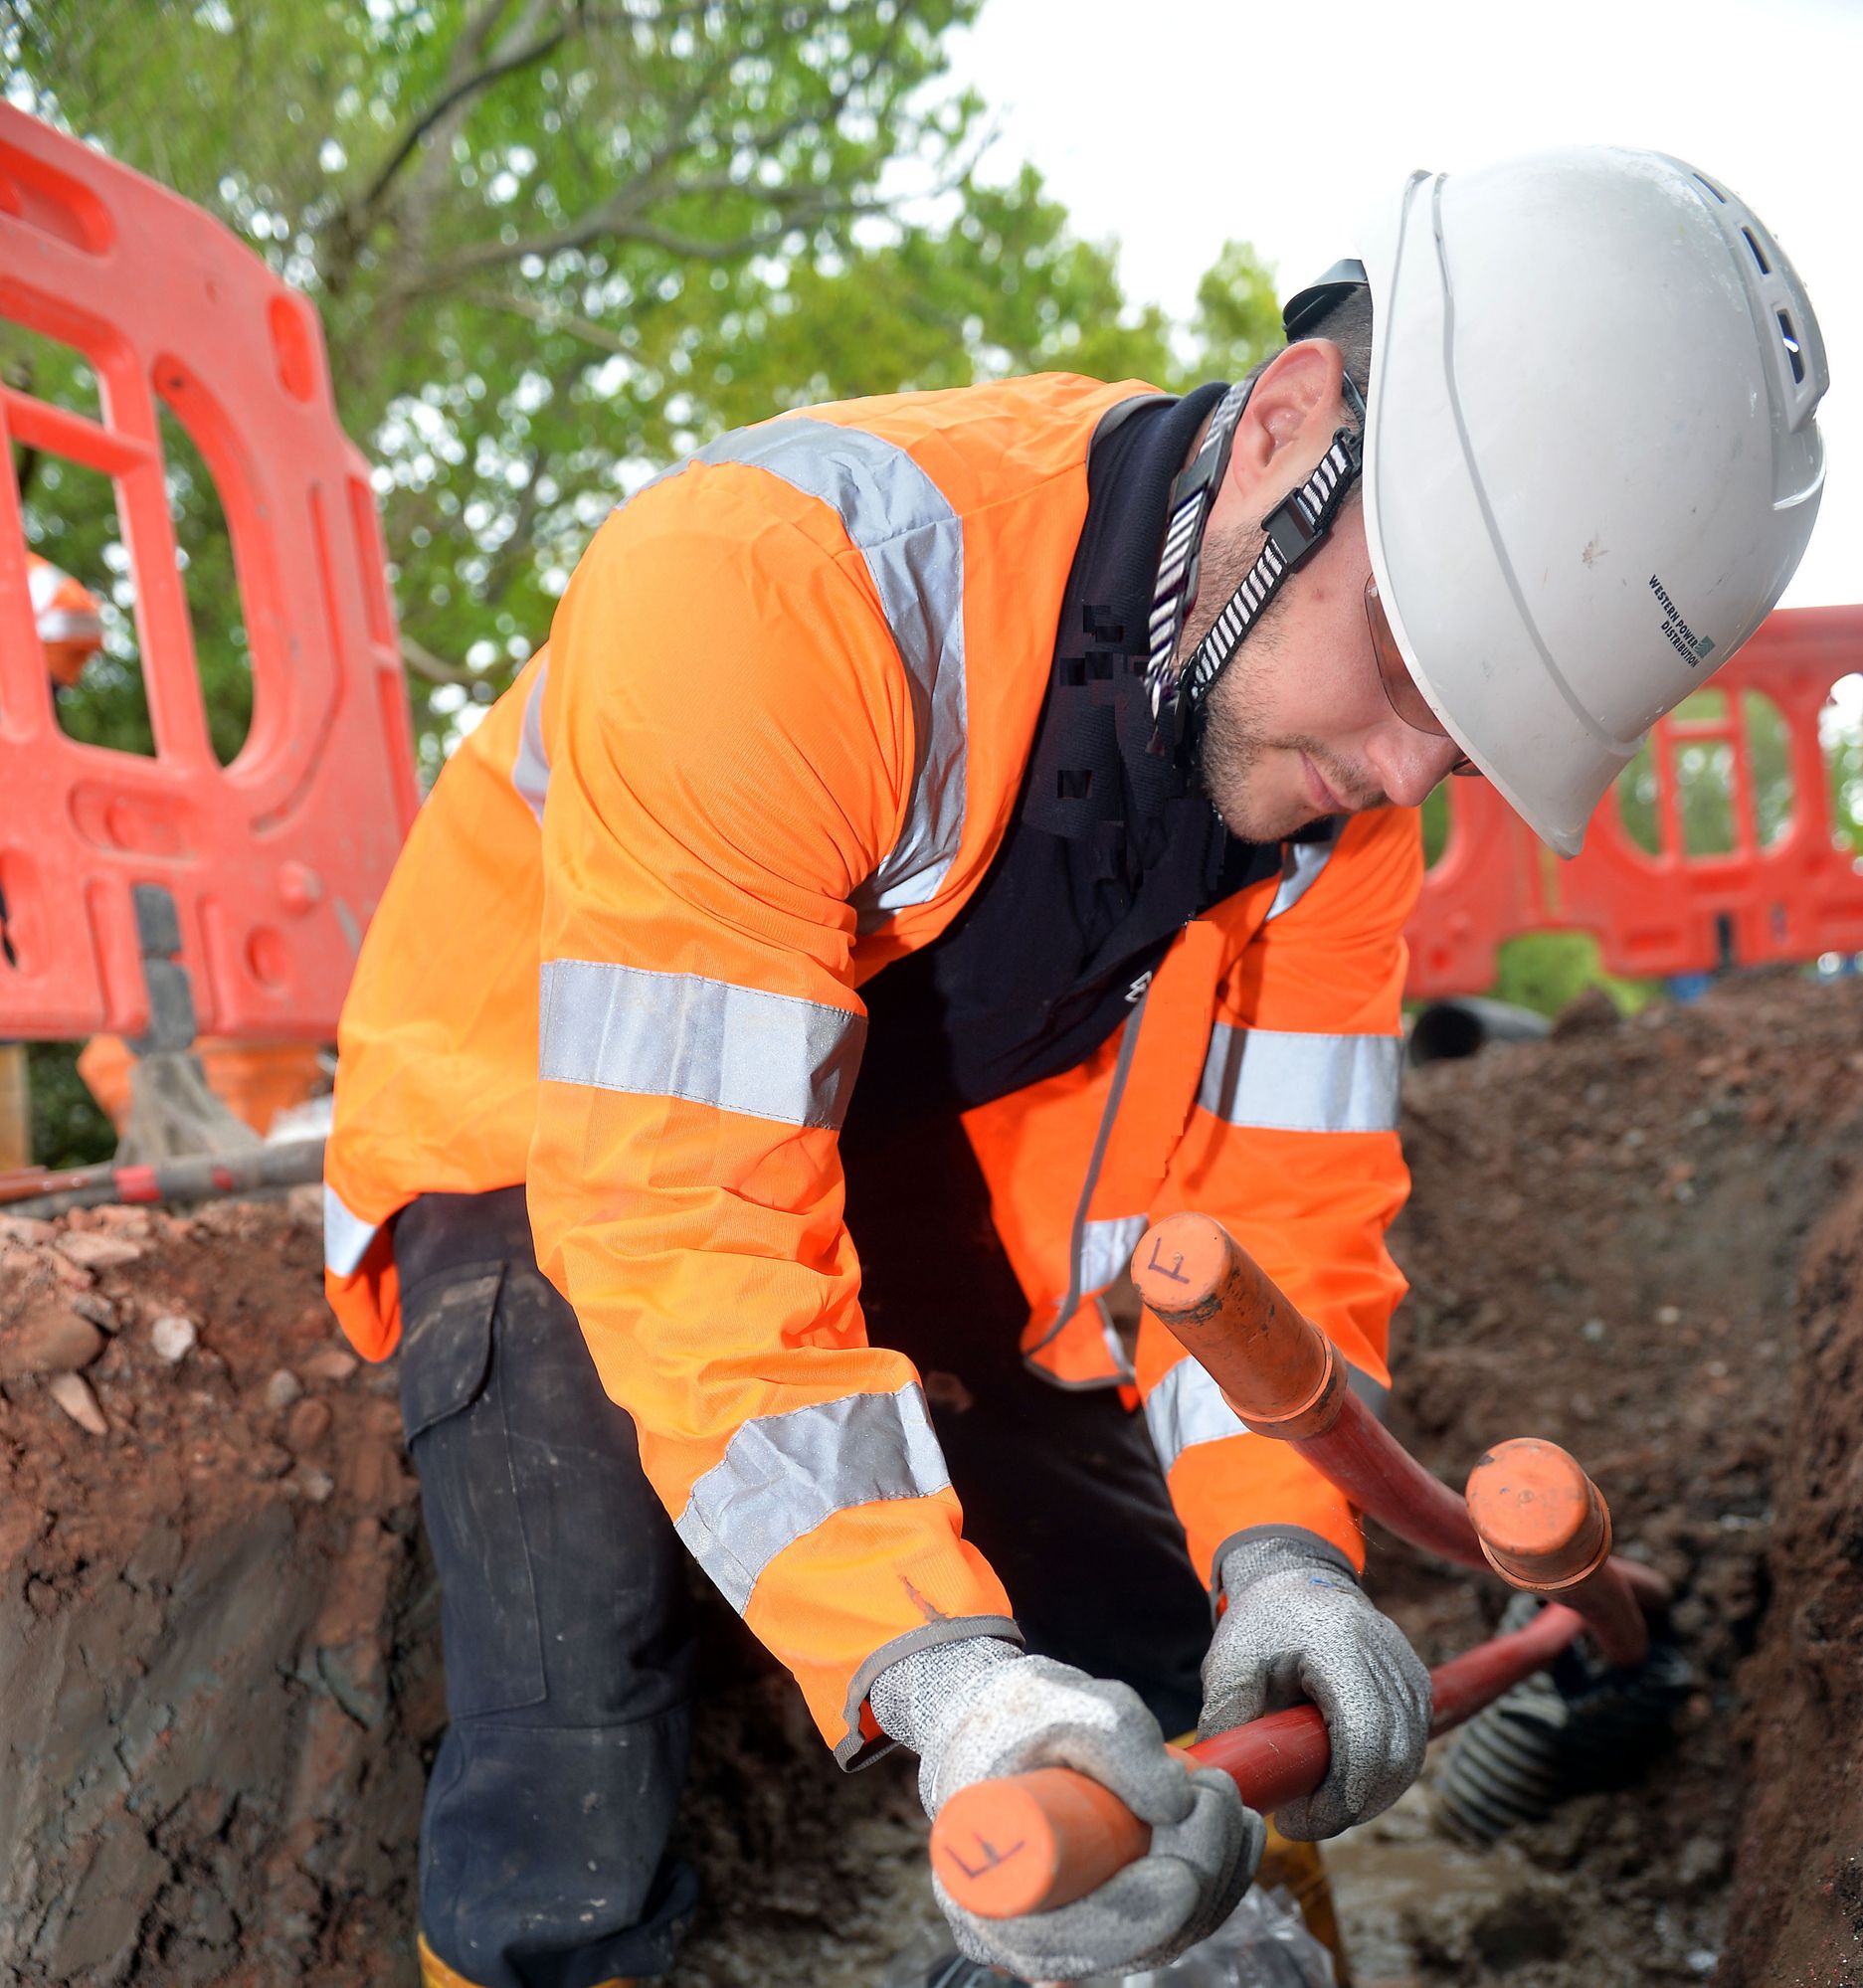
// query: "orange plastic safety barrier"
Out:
[1671,912]
[153,896]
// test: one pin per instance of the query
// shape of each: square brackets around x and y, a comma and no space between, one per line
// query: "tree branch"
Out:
[424,662]
[459,86]
[612,222]
[620,218]
[553,319]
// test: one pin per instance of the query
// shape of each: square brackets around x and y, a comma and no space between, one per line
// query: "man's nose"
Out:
[1409,763]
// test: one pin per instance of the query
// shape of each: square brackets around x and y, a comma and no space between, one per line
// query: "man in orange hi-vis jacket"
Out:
[943,834]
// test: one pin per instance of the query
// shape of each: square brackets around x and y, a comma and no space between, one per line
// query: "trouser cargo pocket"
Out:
[453,1409]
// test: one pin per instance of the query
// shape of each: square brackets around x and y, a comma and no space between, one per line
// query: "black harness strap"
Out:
[1295,528]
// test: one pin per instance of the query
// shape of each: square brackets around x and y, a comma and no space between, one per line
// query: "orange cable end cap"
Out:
[1180,1262]
[1540,1519]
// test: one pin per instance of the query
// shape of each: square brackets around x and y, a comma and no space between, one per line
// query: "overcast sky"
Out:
[1175,124]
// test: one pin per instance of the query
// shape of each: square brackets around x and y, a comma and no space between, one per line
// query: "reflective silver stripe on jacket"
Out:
[1106,1248]
[1114,1343]
[782,1474]
[530,771]
[1186,1408]
[680,1035]
[70,625]
[1284,1081]
[1301,864]
[913,544]
[346,1237]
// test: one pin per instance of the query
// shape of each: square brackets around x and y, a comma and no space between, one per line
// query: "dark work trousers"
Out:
[569,1650]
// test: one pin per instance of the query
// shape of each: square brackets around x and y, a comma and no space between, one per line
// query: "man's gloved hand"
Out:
[976,1707]
[1299,1627]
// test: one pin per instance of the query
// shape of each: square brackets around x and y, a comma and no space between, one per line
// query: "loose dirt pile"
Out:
[217,1631]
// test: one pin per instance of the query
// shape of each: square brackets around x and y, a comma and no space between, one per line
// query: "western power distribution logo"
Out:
[1680,636]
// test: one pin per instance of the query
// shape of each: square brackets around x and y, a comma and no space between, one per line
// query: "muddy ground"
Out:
[218,1680]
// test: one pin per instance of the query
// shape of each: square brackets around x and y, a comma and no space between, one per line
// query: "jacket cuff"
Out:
[865,1740]
[1259,1550]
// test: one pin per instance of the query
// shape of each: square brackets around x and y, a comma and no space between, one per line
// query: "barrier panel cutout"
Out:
[157,894]
[1719,846]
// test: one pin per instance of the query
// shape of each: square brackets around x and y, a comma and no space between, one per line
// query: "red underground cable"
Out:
[1282,1376]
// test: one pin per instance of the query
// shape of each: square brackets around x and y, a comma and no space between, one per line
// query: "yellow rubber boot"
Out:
[435,1973]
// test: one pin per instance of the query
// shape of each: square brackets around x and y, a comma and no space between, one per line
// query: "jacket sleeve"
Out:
[1293,1146]
[730,749]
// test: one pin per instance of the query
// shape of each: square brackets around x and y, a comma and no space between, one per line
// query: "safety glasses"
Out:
[1401,689]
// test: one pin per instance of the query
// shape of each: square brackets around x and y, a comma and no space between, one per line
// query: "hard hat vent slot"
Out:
[1712,188]
[1793,351]
[1759,254]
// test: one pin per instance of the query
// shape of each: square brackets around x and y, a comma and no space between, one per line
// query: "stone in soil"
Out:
[173,1336]
[47,1337]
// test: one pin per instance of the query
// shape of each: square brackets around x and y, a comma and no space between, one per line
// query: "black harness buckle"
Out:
[1290,532]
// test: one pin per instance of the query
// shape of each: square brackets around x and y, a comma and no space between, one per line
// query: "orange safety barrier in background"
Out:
[157,896]
[1672,912]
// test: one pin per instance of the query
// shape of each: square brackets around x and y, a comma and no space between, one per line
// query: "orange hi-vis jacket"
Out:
[773,745]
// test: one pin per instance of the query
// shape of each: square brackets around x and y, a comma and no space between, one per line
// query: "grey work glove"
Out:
[1298,1627]
[975,1708]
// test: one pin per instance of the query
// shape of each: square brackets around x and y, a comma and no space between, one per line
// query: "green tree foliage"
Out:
[556,243]
[68,1128]
[1842,739]
[1239,318]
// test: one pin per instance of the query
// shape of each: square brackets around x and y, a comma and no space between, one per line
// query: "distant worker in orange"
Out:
[944,833]
[68,617]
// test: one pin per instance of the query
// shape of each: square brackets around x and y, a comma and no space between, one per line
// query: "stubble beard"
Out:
[1233,745]
[1232,752]
[1229,757]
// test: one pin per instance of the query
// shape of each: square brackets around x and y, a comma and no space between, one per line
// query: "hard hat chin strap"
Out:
[1296,527]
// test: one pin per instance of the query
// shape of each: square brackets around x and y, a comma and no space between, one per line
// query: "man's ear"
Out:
[1291,414]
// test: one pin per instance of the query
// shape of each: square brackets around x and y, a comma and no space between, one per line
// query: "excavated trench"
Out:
[219,1683]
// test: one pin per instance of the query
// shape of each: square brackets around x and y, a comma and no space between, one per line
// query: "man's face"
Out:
[1298,726]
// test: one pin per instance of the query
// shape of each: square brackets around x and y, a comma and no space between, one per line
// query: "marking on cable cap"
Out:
[1676,631]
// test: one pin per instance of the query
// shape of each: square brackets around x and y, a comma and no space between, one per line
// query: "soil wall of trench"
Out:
[1797,1919]
[219,1673]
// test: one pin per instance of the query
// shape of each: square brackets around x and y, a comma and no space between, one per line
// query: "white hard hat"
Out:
[1592,457]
